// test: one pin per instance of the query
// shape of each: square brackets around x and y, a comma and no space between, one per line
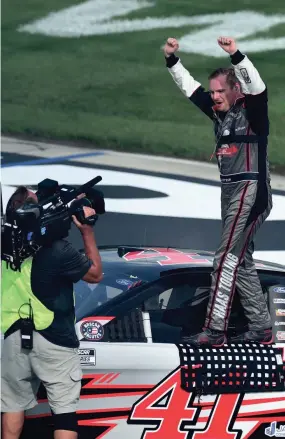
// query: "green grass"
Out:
[114,91]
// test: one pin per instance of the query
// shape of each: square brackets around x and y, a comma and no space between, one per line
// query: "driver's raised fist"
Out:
[171,46]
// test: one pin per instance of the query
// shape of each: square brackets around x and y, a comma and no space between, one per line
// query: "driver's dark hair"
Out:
[17,199]
[229,72]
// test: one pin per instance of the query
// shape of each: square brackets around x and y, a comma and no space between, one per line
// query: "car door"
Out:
[126,365]
[136,351]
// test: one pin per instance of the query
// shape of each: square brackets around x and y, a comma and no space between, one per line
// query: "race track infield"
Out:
[93,71]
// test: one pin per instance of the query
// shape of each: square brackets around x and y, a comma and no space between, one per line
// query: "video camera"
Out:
[39,224]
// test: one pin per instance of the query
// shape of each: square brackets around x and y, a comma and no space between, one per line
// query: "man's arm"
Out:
[255,91]
[191,88]
[252,86]
[94,274]
[73,264]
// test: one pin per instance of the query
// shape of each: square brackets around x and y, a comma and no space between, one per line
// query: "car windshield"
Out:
[89,296]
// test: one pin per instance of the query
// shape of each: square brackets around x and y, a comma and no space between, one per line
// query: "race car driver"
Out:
[237,104]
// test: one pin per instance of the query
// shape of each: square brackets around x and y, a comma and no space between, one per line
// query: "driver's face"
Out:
[222,93]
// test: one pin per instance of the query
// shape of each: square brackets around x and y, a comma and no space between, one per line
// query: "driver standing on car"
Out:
[237,105]
[47,280]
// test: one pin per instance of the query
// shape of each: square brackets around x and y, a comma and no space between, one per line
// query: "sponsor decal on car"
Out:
[274,431]
[279,301]
[280,335]
[102,320]
[125,282]
[279,290]
[92,330]
[280,312]
[87,356]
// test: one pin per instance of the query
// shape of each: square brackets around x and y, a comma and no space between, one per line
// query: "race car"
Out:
[140,382]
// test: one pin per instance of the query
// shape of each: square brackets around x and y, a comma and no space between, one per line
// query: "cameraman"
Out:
[47,281]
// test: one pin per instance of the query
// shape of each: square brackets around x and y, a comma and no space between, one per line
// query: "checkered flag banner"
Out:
[234,368]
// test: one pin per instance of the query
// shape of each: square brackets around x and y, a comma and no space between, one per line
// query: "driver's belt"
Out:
[241,176]
[240,138]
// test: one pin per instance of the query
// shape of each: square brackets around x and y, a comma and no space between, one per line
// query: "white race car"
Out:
[140,382]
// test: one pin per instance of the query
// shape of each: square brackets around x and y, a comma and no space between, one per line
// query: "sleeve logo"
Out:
[245,75]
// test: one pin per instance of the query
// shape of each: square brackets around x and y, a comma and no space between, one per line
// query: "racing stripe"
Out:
[235,274]
[247,152]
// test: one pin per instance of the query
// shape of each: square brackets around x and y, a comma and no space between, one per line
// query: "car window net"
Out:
[234,368]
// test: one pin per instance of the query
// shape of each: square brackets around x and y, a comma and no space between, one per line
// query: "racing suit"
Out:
[246,200]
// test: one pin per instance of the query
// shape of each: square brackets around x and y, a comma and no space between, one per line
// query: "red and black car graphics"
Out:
[140,382]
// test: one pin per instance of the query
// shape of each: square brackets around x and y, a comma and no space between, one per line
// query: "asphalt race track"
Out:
[143,207]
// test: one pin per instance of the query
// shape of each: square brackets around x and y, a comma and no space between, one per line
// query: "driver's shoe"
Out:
[263,336]
[209,337]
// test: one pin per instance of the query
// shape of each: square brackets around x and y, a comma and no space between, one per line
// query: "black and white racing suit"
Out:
[246,199]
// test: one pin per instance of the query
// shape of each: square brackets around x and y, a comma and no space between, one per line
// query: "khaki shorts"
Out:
[57,367]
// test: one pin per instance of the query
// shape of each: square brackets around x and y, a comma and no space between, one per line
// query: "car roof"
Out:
[151,262]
